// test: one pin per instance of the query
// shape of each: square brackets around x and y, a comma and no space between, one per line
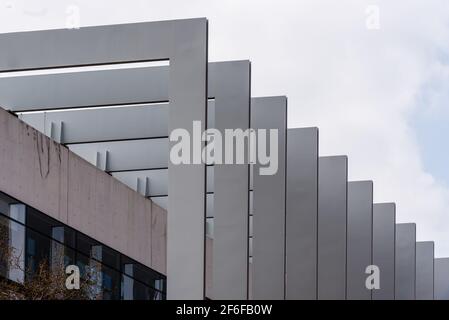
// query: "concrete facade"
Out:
[52,179]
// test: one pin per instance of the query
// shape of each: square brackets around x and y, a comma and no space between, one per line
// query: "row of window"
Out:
[42,238]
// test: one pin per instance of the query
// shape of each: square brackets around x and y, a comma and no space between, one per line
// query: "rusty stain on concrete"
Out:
[43,153]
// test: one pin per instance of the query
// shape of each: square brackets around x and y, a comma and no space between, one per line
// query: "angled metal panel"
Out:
[104,124]
[384,244]
[405,273]
[441,279]
[184,43]
[332,218]
[360,238]
[269,205]
[424,270]
[301,213]
[230,86]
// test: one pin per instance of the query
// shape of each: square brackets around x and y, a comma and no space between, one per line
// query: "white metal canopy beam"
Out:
[332,227]
[405,274]
[102,124]
[425,257]
[302,214]
[85,88]
[384,240]
[126,155]
[359,239]
[269,199]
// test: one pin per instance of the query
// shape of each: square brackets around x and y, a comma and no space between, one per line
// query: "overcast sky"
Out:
[377,91]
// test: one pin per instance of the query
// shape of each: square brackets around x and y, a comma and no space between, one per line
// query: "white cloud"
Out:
[360,87]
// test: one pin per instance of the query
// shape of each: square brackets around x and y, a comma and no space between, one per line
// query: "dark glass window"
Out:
[37,251]
[110,257]
[42,238]
[41,223]
[5,235]
[84,244]
[134,290]
[5,201]
[143,274]
[110,283]
[12,239]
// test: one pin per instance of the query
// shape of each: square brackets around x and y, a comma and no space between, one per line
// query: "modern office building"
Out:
[84,152]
